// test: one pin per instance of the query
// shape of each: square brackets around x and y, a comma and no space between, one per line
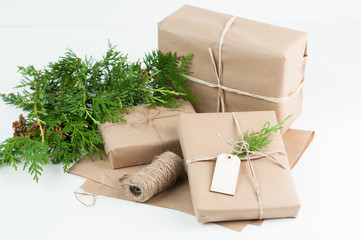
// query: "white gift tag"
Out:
[225,174]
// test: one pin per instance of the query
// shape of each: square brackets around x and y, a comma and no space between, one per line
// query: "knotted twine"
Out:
[161,174]
[240,147]
[219,77]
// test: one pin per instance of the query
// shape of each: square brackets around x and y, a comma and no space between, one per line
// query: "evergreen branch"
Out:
[67,99]
[261,139]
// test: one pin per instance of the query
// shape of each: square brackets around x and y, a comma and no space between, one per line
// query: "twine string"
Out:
[219,74]
[149,120]
[148,117]
[76,194]
[92,195]
[245,148]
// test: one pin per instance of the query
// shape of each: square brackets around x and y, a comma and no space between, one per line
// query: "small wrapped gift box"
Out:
[146,133]
[201,143]
[238,64]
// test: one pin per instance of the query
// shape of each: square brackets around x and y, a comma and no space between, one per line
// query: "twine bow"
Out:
[219,77]
[241,146]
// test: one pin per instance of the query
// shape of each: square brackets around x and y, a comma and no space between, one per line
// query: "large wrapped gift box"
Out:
[198,134]
[261,66]
[146,133]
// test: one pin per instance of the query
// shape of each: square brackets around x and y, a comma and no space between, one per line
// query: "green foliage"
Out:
[165,63]
[67,99]
[261,139]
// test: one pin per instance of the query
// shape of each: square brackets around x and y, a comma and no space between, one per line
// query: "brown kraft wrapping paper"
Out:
[199,140]
[257,58]
[177,197]
[147,133]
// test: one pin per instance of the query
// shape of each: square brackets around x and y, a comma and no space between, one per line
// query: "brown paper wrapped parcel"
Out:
[199,140]
[148,132]
[238,64]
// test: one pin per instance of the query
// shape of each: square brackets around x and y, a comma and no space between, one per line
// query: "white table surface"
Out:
[328,176]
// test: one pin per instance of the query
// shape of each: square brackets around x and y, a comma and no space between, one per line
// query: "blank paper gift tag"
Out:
[226,174]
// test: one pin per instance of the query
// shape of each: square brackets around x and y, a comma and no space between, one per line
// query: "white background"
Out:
[327,177]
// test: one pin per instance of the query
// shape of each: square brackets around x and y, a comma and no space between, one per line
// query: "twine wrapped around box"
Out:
[219,76]
[238,64]
[263,189]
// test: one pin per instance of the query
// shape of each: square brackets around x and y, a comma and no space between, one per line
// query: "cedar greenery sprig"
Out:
[261,139]
[66,100]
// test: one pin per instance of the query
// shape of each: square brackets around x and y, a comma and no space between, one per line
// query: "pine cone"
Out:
[20,128]
[22,120]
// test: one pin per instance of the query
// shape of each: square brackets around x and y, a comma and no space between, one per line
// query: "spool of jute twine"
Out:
[161,174]
[154,178]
